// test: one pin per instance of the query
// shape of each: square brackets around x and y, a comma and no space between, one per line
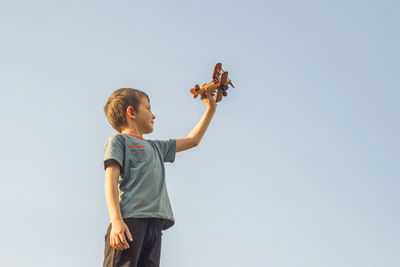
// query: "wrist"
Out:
[117,221]
[211,108]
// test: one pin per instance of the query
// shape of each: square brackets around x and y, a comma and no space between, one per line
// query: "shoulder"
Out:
[160,142]
[115,138]
[164,144]
[166,148]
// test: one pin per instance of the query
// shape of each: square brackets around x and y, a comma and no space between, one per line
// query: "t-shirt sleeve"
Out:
[114,149]
[167,148]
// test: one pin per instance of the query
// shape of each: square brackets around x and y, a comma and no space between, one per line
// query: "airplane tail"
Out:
[194,90]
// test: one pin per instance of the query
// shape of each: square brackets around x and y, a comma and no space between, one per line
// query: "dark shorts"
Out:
[143,251]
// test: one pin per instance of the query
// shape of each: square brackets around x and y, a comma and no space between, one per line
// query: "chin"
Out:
[150,130]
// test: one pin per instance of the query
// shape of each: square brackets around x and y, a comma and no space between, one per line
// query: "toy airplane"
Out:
[220,82]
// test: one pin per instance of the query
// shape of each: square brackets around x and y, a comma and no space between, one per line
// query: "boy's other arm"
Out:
[119,228]
[194,137]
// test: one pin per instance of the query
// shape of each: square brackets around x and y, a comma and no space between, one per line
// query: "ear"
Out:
[130,112]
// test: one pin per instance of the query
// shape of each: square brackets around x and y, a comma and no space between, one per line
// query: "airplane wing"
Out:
[217,72]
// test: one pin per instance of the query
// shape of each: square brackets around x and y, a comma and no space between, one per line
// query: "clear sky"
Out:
[299,167]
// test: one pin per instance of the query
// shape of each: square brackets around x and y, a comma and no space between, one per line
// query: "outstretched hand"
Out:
[208,99]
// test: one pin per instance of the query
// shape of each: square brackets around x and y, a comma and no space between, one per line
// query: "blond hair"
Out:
[117,104]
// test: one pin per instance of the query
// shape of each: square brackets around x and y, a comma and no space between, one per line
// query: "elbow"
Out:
[195,143]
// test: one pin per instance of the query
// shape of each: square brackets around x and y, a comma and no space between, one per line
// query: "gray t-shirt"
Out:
[142,187]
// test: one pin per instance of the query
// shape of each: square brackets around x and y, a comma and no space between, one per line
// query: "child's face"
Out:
[144,116]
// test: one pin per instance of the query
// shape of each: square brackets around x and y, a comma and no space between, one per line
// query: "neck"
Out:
[132,132]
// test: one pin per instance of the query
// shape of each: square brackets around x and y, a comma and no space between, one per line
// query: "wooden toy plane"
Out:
[219,83]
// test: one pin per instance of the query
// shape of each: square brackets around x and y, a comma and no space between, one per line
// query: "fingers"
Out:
[115,242]
[212,95]
[124,243]
[129,235]
[119,242]
[208,94]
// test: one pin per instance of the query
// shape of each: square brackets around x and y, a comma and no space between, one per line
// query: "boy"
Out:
[135,188]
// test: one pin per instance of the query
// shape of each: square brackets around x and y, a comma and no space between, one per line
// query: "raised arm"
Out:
[194,137]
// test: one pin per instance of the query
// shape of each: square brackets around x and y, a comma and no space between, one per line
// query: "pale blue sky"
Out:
[299,167]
